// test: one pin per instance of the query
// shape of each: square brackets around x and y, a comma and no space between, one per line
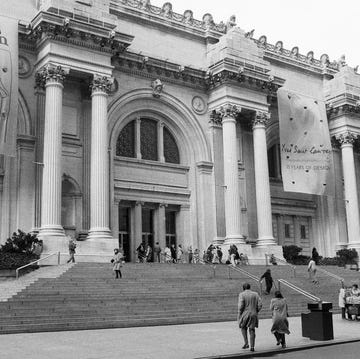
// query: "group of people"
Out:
[349,302]
[249,306]
[235,257]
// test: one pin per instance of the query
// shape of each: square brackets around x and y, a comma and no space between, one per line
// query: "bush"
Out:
[300,260]
[347,256]
[20,242]
[10,260]
[291,252]
[330,261]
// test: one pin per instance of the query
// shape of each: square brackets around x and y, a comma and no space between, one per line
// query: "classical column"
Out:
[138,223]
[347,140]
[227,114]
[262,184]
[99,165]
[162,225]
[161,141]
[137,138]
[52,78]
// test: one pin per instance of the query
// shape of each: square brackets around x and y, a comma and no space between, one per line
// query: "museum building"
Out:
[135,123]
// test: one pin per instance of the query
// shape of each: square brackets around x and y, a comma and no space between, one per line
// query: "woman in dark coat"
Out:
[268,281]
[280,327]
[315,256]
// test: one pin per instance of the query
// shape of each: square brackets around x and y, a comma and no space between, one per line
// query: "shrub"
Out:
[330,261]
[20,242]
[291,252]
[347,256]
[300,260]
[10,260]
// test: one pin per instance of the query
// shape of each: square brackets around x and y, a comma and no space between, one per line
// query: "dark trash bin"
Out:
[318,324]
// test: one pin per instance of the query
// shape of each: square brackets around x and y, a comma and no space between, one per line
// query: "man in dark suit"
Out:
[249,305]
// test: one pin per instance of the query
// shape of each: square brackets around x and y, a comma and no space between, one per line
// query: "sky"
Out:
[323,26]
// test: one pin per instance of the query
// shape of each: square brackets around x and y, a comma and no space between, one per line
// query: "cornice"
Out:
[342,110]
[142,10]
[57,27]
[150,68]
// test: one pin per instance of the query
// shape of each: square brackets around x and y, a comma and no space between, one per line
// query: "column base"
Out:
[354,245]
[235,239]
[266,241]
[258,253]
[99,233]
[53,230]
[340,246]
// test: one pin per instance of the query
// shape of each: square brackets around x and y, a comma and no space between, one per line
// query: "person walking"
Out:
[315,255]
[173,253]
[141,252]
[342,301]
[117,262]
[148,253]
[249,305]
[280,326]
[268,280]
[167,255]
[157,251]
[190,254]
[312,271]
[72,246]
[179,254]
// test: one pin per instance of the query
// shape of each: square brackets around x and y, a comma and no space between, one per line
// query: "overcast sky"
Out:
[324,26]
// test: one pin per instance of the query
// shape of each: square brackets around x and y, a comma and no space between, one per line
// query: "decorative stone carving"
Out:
[50,72]
[310,57]
[250,34]
[261,118]
[231,23]
[227,110]
[166,10]
[101,83]
[157,87]
[144,4]
[262,41]
[198,105]
[347,138]
[188,17]
[294,52]
[341,62]
[25,68]
[279,47]
[324,60]
[208,22]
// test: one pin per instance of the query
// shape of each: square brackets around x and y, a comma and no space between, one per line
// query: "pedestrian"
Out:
[315,256]
[141,252]
[179,254]
[268,280]
[167,254]
[342,301]
[280,326]
[312,271]
[249,305]
[219,254]
[72,246]
[148,253]
[173,253]
[214,255]
[190,254]
[157,251]
[196,258]
[117,261]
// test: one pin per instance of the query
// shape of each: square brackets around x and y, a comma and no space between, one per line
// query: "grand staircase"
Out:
[87,296]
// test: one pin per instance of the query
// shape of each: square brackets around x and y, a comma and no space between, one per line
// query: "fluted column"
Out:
[162,225]
[262,183]
[99,165]
[227,115]
[161,141]
[347,140]
[52,78]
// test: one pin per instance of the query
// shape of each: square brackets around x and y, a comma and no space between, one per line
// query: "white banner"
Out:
[306,152]
[8,84]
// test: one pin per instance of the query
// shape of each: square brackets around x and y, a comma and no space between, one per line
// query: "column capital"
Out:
[139,203]
[226,110]
[261,118]
[101,84]
[163,205]
[50,73]
[347,138]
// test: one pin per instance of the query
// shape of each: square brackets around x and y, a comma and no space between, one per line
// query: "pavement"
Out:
[189,341]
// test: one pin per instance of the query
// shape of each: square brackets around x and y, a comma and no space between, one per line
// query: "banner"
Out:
[305,147]
[8,84]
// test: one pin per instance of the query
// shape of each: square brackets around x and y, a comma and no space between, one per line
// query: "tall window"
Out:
[274,161]
[149,141]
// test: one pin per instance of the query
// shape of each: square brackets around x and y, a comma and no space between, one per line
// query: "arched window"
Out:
[274,162]
[141,139]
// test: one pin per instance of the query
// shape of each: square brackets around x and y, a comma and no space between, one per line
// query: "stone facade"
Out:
[137,123]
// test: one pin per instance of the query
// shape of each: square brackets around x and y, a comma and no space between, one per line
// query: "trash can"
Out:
[318,324]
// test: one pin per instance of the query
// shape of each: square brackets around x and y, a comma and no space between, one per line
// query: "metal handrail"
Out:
[282,261]
[36,262]
[331,275]
[243,271]
[299,290]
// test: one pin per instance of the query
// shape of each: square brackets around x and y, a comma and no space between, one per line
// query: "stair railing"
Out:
[331,275]
[299,290]
[17,271]
[248,274]
[267,262]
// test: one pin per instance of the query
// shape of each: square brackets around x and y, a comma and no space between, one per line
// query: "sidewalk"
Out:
[162,342]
